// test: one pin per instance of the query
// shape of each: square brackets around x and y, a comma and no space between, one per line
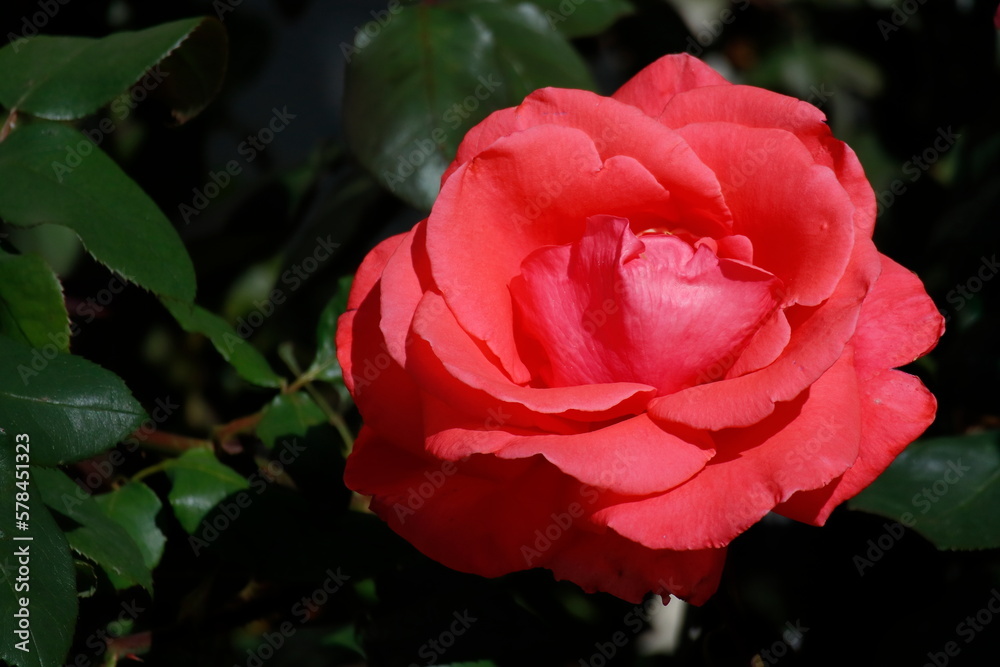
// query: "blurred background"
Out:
[913,86]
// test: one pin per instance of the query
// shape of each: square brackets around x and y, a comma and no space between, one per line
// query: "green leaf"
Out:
[946,489]
[200,481]
[581,18]
[325,365]
[134,507]
[98,537]
[117,222]
[244,357]
[63,78]
[71,408]
[32,309]
[288,414]
[52,594]
[408,99]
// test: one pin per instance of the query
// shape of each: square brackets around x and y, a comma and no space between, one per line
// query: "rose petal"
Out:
[804,445]
[447,362]
[384,393]
[617,130]
[652,89]
[756,107]
[895,409]
[818,339]
[405,278]
[371,269]
[532,189]
[610,563]
[795,212]
[614,308]
[633,457]
[898,324]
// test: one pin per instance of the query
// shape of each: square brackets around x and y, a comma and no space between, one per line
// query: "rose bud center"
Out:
[658,310]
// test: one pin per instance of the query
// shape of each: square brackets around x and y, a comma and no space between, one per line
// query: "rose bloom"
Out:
[630,328]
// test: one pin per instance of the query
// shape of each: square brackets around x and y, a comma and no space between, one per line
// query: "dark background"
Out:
[888,92]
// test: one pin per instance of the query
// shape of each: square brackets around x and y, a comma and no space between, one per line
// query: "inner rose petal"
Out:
[612,307]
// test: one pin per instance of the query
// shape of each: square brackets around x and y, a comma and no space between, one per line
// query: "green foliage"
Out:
[199,481]
[408,101]
[96,536]
[31,302]
[72,409]
[119,225]
[65,78]
[232,345]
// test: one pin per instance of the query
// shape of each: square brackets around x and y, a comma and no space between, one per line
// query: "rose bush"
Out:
[629,328]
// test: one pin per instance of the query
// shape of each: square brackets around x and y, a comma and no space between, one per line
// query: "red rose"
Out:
[629,329]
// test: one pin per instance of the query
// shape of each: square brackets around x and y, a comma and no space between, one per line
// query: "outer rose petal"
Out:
[491,517]
[617,130]
[895,409]
[384,393]
[653,88]
[611,563]
[405,287]
[754,469]
[371,269]
[898,323]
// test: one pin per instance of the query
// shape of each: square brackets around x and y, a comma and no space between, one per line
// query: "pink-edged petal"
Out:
[795,212]
[898,324]
[405,278]
[754,469]
[652,89]
[610,563]
[895,409]
[529,190]
[760,108]
[446,361]
[614,308]
[819,336]
[616,129]
[384,393]
[632,457]
[371,269]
